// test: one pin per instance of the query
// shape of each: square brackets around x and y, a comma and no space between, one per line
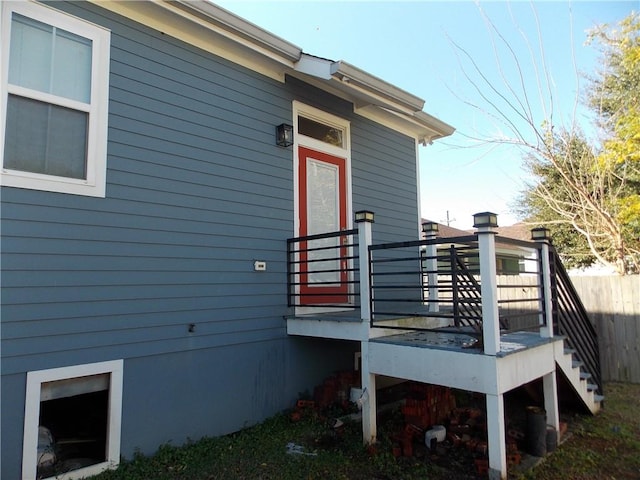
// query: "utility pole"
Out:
[449,219]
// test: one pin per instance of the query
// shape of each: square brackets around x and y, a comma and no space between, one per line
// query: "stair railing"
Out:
[572,320]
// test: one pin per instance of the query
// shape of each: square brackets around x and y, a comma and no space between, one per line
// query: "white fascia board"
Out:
[229,37]
[523,367]
[464,370]
[422,126]
[437,125]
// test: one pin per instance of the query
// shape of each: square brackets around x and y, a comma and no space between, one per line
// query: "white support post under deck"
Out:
[550,388]
[496,434]
[368,399]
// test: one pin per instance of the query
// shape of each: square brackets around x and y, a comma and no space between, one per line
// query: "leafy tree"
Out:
[574,192]
[586,189]
[615,96]
[589,187]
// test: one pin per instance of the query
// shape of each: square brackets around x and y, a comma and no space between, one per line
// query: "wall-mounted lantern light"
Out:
[364,216]
[485,219]
[430,228]
[540,234]
[284,135]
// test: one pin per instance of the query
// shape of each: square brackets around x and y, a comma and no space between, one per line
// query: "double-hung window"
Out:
[55,80]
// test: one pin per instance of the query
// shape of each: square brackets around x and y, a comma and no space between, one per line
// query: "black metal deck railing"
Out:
[437,283]
[521,296]
[571,320]
[430,284]
[322,270]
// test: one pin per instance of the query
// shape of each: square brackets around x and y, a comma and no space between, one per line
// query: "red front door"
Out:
[323,209]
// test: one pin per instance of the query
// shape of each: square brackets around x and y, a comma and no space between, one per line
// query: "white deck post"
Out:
[541,235]
[549,381]
[368,400]
[430,230]
[485,222]
[496,433]
[364,220]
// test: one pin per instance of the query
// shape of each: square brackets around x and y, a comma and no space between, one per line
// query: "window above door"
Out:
[321,130]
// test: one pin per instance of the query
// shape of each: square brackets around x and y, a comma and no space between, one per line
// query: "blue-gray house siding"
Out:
[196,191]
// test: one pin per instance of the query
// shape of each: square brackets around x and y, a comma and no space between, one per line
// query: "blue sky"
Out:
[410,45]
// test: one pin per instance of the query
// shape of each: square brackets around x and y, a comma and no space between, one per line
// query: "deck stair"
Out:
[580,359]
[580,380]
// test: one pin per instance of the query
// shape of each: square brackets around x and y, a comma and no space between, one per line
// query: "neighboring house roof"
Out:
[519,231]
[223,33]
[445,231]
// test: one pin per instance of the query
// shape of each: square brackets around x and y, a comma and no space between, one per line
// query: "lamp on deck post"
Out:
[364,216]
[430,229]
[485,220]
[540,234]
[284,135]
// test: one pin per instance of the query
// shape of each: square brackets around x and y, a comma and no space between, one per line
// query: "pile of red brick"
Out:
[336,389]
[424,406]
[334,392]
[427,405]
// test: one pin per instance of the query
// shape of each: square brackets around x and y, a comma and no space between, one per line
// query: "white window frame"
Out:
[32,415]
[96,162]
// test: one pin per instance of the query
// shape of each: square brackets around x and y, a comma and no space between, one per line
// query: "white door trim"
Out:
[307,111]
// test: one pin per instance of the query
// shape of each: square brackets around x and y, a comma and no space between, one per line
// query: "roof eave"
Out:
[221,32]
[240,27]
[372,97]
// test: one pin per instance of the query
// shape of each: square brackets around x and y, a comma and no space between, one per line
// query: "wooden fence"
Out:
[613,304]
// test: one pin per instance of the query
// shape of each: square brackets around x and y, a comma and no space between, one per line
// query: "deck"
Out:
[436,311]
[397,350]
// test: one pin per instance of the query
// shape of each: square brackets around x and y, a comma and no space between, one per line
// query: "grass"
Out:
[606,446]
[603,447]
